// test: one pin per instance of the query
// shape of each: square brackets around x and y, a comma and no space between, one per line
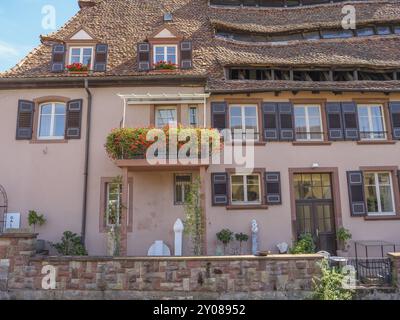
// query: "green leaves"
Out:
[70,245]
[330,285]
[305,245]
[35,219]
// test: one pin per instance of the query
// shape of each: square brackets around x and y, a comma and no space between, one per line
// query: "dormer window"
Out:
[166,53]
[82,55]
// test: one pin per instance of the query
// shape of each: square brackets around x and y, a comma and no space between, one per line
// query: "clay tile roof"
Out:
[124,23]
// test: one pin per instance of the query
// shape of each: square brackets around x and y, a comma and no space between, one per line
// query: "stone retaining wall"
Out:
[237,277]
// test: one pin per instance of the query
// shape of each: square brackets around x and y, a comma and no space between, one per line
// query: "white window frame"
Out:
[378,195]
[243,117]
[190,116]
[81,55]
[183,187]
[165,46]
[372,135]
[118,204]
[307,118]
[52,120]
[156,117]
[246,202]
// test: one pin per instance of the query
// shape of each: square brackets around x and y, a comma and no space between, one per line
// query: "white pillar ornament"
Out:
[178,229]
[254,237]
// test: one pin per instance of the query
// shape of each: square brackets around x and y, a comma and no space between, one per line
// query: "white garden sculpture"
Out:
[254,237]
[178,229]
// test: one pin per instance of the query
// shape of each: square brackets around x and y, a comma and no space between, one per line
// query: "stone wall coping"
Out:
[283,257]
[394,255]
[18,235]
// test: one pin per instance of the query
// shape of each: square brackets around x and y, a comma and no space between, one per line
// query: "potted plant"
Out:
[225,236]
[343,236]
[241,237]
[35,219]
[70,245]
[77,68]
[165,66]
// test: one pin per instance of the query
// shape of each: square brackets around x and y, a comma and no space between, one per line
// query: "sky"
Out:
[23,21]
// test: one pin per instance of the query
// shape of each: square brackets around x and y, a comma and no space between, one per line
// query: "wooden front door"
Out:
[315,209]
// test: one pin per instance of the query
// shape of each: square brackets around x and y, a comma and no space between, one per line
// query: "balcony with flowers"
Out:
[166,148]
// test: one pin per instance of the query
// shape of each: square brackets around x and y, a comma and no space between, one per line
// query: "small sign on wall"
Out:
[12,221]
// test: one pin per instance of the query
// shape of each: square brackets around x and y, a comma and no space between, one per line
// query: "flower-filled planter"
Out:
[165,66]
[77,68]
[132,143]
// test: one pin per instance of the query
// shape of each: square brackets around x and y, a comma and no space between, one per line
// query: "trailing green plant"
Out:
[304,245]
[35,219]
[343,235]
[194,224]
[241,237]
[225,236]
[70,245]
[330,285]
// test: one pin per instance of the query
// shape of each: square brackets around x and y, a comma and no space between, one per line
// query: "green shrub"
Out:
[35,219]
[304,245]
[241,237]
[225,236]
[70,245]
[343,235]
[330,285]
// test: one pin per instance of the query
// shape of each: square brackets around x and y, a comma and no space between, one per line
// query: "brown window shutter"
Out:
[25,119]
[334,121]
[186,54]
[220,189]
[74,119]
[219,114]
[286,121]
[355,181]
[350,121]
[270,121]
[58,58]
[395,119]
[101,57]
[273,188]
[143,52]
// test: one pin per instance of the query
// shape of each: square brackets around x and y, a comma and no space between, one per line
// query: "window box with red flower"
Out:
[77,68]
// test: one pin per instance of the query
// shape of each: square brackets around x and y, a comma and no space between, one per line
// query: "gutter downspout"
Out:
[86,170]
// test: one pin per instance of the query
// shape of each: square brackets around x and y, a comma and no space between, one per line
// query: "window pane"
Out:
[252,179]
[178,193]
[250,112]
[237,193]
[372,200]
[76,52]
[87,60]
[236,123]
[369,179]
[160,51]
[75,59]
[87,51]
[46,109]
[365,32]
[253,193]
[60,108]
[384,178]
[45,121]
[386,199]
[383,30]
[59,125]
[237,180]
[236,111]
[171,50]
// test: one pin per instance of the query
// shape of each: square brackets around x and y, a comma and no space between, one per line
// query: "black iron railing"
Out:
[371,271]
